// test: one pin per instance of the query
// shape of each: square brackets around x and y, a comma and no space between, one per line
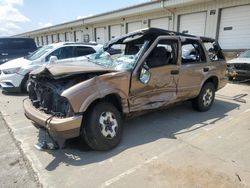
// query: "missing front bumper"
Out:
[63,127]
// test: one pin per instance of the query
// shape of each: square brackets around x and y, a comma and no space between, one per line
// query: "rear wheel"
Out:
[205,99]
[103,129]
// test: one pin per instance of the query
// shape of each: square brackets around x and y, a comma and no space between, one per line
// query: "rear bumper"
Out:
[62,127]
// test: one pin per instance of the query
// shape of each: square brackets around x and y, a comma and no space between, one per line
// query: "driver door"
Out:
[158,87]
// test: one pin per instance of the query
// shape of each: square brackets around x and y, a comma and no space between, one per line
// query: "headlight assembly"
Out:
[11,70]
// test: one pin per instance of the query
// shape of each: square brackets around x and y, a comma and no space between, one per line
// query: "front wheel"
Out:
[103,127]
[205,99]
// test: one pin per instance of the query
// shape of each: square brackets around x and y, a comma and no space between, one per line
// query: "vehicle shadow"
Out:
[241,81]
[165,123]
[14,94]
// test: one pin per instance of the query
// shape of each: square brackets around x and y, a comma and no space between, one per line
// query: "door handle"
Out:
[5,54]
[205,69]
[174,72]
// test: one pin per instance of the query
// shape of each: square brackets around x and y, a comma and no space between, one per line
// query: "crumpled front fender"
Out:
[83,94]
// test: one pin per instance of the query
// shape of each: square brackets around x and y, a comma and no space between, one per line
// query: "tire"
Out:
[205,99]
[103,127]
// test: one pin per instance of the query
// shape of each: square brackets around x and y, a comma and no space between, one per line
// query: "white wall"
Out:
[212,8]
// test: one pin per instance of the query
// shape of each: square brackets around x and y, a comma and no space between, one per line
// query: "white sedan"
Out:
[240,66]
[14,74]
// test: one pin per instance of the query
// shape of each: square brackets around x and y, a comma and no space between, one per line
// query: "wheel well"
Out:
[23,81]
[213,80]
[111,98]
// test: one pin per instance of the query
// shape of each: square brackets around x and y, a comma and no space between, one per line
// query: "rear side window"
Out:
[165,53]
[17,44]
[62,53]
[214,51]
[82,51]
[192,52]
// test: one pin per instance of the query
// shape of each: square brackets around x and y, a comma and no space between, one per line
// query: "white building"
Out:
[226,20]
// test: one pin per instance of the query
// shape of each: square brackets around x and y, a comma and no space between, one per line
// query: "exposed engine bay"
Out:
[45,92]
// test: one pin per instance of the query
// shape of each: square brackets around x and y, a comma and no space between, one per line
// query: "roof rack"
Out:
[155,32]
[83,43]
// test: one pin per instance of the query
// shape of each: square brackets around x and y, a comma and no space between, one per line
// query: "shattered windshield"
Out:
[120,55]
[245,54]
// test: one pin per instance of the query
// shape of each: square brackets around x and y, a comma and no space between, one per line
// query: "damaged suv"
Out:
[155,68]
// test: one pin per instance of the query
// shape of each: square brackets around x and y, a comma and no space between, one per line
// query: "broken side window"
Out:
[192,52]
[214,51]
[165,53]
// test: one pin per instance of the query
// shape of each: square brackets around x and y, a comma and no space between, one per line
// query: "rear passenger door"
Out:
[194,68]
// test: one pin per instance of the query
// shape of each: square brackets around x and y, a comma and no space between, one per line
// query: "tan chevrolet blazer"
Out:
[144,70]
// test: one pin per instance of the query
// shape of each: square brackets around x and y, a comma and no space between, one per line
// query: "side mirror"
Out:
[144,75]
[193,57]
[52,59]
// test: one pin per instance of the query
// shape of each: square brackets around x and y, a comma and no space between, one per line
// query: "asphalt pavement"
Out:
[177,147]
[15,169]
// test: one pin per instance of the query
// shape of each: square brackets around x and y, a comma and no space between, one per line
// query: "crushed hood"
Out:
[19,62]
[70,69]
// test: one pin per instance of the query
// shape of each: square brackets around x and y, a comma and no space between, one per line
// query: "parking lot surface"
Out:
[176,147]
[15,169]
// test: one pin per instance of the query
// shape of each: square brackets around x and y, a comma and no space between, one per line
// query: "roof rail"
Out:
[83,43]
[159,31]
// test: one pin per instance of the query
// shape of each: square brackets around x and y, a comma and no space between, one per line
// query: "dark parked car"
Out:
[11,48]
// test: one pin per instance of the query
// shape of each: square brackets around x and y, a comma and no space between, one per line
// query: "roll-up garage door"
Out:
[37,41]
[68,37]
[115,31]
[79,37]
[100,35]
[234,31]
[61,37]
[49,39]
[40,41]
[45,42]
[162,23]
[194,24]
[133,26]
[55,39]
